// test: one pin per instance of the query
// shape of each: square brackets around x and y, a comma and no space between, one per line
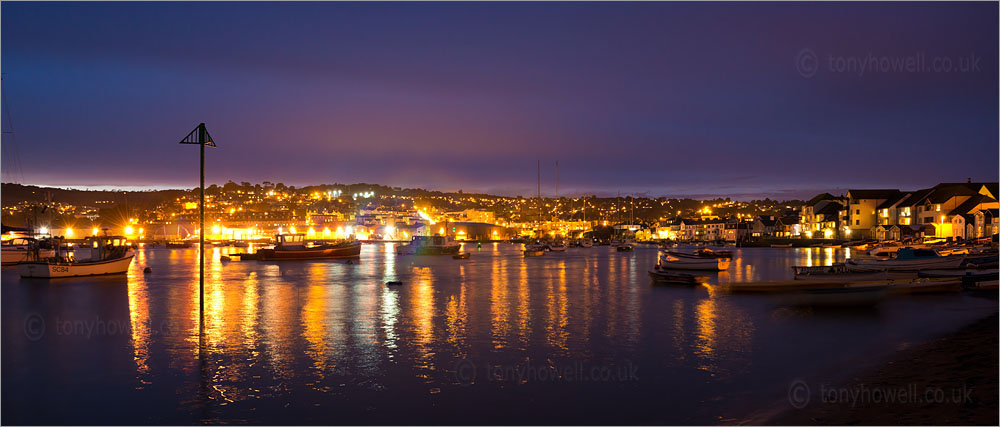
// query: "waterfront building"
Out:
[863,206]
[763,226]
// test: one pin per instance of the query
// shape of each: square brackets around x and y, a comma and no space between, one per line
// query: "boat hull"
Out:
[347,251]
[907,264]
[80,269]
[703,264]
[14,256]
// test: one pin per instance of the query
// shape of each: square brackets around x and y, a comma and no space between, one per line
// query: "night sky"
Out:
[740,100]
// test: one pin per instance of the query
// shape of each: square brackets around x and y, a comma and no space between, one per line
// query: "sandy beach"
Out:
[949,381]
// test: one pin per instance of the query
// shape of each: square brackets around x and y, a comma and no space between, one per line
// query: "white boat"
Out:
[676,261]
[20,249]
[909,259]
[99,256]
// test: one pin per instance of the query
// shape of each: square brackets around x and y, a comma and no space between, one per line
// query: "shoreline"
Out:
[952,380]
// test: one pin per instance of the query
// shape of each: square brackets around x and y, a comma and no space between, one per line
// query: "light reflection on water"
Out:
[295,342]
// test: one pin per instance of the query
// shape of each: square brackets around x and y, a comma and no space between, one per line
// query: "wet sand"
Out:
[949,381]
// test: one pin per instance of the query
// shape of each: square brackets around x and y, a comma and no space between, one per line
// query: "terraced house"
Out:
[948,210]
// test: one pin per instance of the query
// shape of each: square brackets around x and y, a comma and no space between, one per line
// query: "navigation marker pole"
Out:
[201,137]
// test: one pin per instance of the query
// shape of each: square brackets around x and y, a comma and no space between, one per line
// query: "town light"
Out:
[93,231]
[128,230]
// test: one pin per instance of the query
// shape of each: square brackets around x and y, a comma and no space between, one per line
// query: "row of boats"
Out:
[854,282]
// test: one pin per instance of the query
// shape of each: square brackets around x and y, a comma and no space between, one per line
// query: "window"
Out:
[857,211]
[857,222]
[937,208]
[928,220]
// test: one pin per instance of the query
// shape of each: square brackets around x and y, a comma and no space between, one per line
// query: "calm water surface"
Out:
[579,337]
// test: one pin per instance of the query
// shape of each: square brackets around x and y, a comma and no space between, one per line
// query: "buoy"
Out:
[147,270]
[393,283]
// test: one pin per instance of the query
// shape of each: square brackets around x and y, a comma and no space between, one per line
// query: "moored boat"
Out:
[925,286]
[682,261]
[294,247]
[430,245]
[660,275]
[534,250]
[100,255]
[556,247]
[21,249]
[909,259]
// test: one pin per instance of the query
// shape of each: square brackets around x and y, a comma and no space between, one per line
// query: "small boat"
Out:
[534,250]
[925,286]
[100,255]
[394,283]
[556,247]
[817,293]
[178,244]
[787,245]
[294,247]
[464,255]
[21,249]
[682,261]
[840,273]
[624,248]
[705,253]
[909,259]
[586,243]
[863,294]
[660,275]
[429,245]
[241,244]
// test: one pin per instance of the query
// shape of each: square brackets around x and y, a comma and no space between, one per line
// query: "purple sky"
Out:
[662,99]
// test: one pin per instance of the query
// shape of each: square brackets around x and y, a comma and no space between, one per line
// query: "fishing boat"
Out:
[787,245]
[100,255]
[430,245]
[21,249]
[465,255]
[295,247]
[660,275]
[682,261]
[909,259]
[534,250]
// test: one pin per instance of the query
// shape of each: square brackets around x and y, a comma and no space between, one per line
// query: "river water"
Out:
[580,337]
